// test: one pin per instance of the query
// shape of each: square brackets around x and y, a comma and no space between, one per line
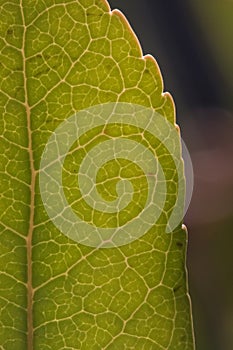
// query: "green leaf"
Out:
[57,58]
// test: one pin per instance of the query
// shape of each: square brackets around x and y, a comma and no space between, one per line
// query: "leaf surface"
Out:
[57,58]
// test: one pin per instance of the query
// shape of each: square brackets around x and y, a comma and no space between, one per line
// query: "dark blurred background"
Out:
[193,44]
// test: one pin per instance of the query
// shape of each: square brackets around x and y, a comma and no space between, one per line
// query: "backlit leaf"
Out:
[58,58]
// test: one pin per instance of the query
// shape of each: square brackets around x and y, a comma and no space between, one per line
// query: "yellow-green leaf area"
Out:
[57,58]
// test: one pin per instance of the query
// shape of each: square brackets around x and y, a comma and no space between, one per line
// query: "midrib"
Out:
[32,197]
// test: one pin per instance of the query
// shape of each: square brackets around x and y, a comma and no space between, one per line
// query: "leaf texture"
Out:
[57,58]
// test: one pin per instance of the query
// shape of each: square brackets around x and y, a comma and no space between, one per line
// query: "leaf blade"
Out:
[61,78]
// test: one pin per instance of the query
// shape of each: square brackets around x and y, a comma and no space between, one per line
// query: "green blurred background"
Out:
[193,44]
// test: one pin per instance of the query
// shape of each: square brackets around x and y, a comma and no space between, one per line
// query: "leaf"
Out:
[57,58]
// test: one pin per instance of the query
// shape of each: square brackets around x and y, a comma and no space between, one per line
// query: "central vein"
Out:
[32,197]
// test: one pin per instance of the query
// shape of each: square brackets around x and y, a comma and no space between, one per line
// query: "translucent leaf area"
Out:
[57,58]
